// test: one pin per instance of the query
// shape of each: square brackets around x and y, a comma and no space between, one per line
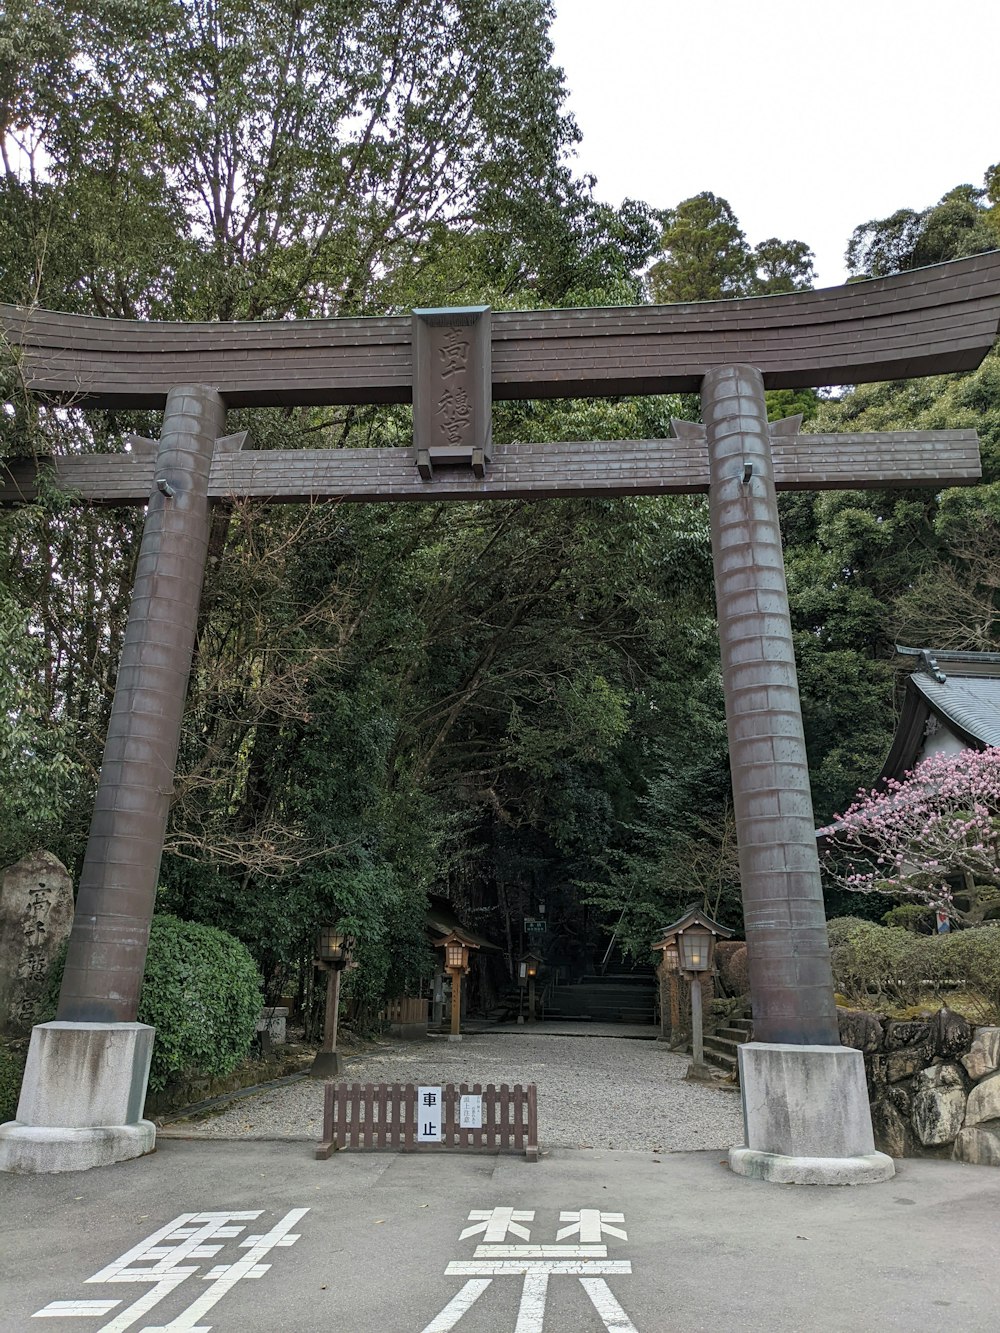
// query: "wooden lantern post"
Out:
[333,954]
[691,941]
[530,965]
[456,961]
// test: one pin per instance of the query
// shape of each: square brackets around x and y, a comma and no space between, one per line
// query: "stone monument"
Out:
[36,915]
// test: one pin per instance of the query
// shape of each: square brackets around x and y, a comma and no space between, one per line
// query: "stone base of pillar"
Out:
[328,1064]
[81,1099]
[454,1036]
[807,1117]
[40,1149]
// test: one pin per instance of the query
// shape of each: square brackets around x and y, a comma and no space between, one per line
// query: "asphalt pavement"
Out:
[243,1237]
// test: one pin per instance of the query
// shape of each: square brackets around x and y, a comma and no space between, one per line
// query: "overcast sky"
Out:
[809,116]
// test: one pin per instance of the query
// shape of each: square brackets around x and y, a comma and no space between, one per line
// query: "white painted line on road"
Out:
[74,1309]
[541,1252]
[495,1256]
[494,1223]
[615,1318]
[190,1238]
[134,1312]
[504,1267]
[458,1306]
[246,1266]
[531,1311]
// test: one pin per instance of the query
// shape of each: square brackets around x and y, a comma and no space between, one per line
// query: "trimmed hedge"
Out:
[201,991]
[894,965]
[974,956]
[731,961]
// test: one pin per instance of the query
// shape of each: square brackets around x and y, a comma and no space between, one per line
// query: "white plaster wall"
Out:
[944,741]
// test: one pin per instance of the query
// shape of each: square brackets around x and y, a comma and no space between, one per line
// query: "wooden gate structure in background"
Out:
[451,364]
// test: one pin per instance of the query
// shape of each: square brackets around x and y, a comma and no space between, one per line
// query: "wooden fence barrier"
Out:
[384,1115]
[408,1009]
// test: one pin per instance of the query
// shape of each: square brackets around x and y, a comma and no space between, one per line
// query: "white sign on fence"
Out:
[470,1114]
[428,1115]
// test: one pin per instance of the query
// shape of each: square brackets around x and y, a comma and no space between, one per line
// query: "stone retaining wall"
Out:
[183,1092]
[934,1084]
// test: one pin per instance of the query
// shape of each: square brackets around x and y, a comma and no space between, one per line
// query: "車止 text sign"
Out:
[428,1115]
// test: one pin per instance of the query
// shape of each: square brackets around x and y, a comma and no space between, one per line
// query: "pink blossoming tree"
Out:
[932,838]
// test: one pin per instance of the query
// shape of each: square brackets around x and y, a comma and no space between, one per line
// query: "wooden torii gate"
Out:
[805,1103]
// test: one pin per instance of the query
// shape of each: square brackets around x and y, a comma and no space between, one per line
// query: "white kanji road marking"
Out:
[531,1311]
[458,1306]
[586,1259]
[495,1223]
[500,1267]
[225,1276]
[615,1318]
[590,1224]
[75,1309]
[169,1257]
[541,1252]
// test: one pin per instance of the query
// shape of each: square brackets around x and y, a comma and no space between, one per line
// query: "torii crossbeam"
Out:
[805,1101]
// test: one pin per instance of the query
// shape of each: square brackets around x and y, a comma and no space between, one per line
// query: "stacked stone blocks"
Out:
[934,1084]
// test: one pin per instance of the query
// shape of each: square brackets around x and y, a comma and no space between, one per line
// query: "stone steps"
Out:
[616,997]
[721,1046]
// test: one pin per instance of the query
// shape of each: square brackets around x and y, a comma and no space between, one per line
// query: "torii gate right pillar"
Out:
[805,1100]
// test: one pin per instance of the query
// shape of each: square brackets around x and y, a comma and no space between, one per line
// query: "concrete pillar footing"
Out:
[328,1064]
[43,1149]
[807,1117]
[869,1169]
[82,1099]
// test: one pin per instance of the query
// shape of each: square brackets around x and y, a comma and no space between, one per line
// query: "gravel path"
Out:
[593,1092]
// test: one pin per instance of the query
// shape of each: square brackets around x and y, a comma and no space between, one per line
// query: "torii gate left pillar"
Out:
[85,1080]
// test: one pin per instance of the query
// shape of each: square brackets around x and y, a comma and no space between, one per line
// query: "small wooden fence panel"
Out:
[409,1009]
[366,1116]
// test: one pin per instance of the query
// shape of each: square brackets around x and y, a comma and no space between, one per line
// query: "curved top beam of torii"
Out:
[928,321]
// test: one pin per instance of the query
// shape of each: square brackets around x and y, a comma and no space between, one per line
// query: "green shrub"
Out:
[734,971]
[895,967]
[921,920]
[886,963]
[972,959]
[11,1070]
[202,993]
[840,927]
